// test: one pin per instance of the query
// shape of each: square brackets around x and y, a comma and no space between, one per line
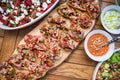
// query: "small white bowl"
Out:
[31,22]
[111,7]
[103,57]
[98,66]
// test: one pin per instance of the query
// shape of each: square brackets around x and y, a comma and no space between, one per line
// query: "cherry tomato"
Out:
[22,23]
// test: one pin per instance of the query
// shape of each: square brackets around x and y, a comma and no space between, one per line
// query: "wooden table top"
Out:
[77,67]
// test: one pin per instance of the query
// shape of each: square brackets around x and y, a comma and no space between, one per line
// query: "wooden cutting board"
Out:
[65,54]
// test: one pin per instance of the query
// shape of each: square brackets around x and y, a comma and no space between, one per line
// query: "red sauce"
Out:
[94,45]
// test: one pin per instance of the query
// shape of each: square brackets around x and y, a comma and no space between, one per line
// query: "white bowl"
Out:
[98,66]
[31,22]
[111,7]
[103,57]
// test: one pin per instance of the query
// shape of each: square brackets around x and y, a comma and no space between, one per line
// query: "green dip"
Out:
[112,19]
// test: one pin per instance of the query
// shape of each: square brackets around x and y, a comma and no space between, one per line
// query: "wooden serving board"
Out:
[65,54]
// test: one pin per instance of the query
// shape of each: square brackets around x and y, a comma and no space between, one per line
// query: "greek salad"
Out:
[15,13]
[110,70]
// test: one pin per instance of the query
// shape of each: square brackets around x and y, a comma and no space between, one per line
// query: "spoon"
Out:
[111,41]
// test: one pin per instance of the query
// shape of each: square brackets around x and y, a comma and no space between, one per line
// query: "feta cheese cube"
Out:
[38,9]
[48,1]
[8,11]
[44,5]
[12,22]
[38,14]
[1,10]
[17,19]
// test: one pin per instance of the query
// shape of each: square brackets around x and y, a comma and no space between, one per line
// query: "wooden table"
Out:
[77,67]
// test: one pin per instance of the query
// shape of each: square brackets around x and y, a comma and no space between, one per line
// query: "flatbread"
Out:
[56,31]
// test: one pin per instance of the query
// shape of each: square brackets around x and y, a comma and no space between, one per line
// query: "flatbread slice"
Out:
[78,4]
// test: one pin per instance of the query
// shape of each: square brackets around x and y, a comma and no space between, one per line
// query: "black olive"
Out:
[111,67]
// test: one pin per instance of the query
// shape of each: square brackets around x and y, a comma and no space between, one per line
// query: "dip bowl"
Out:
[95,54]
[110,19]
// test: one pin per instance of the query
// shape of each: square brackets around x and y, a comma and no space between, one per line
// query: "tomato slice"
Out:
[53,1]
[28,2]
[49,63]
[5,22]
[17,3]
[22,23]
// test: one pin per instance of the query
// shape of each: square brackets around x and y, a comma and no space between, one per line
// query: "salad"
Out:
[15,13]
[110,70]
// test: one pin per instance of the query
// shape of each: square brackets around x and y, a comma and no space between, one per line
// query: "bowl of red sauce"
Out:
[93,45]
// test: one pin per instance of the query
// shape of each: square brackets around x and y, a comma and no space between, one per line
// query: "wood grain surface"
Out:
[77,67]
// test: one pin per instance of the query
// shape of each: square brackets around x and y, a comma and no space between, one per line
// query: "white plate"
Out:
[99,58]
[31,22]
[98,65]
[111,7]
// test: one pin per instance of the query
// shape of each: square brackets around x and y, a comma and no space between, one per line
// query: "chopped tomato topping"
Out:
[49,63]
[53,1]
[5,22]
[55,50]
[22,23]
[28,2]
[17,3]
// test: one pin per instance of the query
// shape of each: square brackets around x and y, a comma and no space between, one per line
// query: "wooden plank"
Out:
[74,71]
[81,45]
[80,57]
[100,27]
[1,40]
[56,77]
[8,44]
[1,32]
[117,45]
